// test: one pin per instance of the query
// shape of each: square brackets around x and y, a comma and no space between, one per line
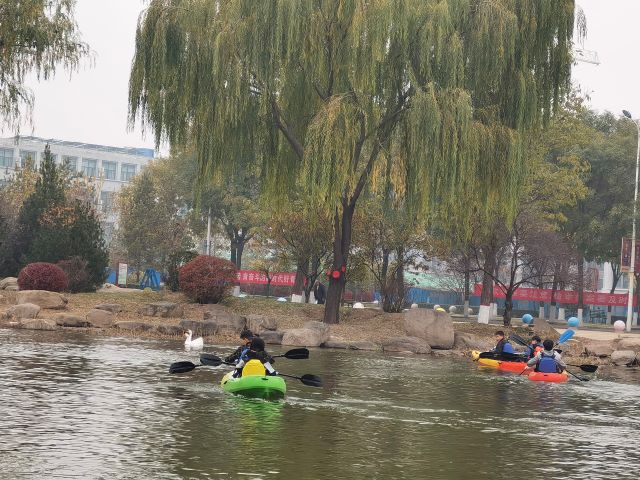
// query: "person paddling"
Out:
[245,337]
[534,347]
[256,352]
[548,360]
[503,345]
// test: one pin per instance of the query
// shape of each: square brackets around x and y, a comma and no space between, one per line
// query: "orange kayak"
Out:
[548,377]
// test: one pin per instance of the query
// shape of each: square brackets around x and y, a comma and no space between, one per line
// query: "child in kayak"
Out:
[534,347]
[503,346]
[245,337]
[548,360]
[256,351]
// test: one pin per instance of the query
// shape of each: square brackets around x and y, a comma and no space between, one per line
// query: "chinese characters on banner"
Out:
[253,277]
[561,296]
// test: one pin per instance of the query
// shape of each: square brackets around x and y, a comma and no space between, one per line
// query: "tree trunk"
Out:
[467,280]
[508,307]
[239,251]
[298,284]
[233,255]
[343,222]
[554,288]
[486,298]
[580,286]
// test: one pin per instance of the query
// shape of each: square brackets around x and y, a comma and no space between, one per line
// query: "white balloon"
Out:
[619,326]
[358,305]
[414,305]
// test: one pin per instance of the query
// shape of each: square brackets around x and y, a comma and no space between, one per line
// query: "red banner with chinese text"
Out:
[561,296]
[253,277]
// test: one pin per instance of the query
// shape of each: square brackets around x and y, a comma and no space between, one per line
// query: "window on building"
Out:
[109,169]
[70,163]
[127,172]
[28,158]
[106,201]
[89,166]
[6,157]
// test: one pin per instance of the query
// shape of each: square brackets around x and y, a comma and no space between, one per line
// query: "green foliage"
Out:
[35,36]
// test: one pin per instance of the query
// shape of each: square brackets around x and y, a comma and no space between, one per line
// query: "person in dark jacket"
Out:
[503,345]
[320,292]
[534,347]
[548,360]
[245,336]
[256,351]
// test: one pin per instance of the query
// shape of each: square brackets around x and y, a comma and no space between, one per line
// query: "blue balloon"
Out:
[526,318]
[573,322]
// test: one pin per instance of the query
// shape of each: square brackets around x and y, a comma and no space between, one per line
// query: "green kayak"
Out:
[254,386]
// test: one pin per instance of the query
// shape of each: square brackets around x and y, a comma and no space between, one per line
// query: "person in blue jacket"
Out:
[503,345]
[548,360]
[241,352]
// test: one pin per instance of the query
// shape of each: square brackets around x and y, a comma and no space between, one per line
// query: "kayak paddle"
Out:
[565,336]
[295,354]
[574,375]
[212,361]
[585,367]
[182,367]
[307,379]
[518,339]
[504,356]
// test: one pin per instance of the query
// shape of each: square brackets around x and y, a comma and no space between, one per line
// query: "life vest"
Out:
[254,368]
[547,364]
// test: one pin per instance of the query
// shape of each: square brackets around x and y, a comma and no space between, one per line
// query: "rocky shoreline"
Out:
[152,315]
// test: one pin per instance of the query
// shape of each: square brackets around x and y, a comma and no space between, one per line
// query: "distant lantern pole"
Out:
[633,230]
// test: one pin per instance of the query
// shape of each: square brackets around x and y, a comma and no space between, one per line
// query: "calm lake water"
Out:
[76,406]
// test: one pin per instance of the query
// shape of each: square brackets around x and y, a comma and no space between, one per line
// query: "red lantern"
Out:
[335,274]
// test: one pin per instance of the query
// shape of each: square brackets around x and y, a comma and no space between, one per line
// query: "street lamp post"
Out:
[633,230]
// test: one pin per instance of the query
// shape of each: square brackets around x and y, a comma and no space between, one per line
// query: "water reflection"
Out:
[81,406]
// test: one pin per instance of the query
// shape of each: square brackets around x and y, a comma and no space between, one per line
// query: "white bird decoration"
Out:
[196,344]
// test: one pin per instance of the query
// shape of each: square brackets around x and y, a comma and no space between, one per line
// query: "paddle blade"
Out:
[311,380]
[587,368]
[210,360]
[182,367]
[566,336]
[296,354]
[518,339]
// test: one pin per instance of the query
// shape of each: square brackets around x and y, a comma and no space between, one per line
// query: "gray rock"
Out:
[630,344]
[199,329]
[364,346]
[37,324]
[162,310]
[272,337]
[336,342]
[12,288]
[99,318]
[469,341]
[25,310]
[442,353]
[169,329]
[70,320]
[109,307]
[226,321]
[406,344]
[623,357]
[43,299]
[5,282]
[303,337]
[260,323]
[322,328]
[436,328]
[599,349]
[131,326]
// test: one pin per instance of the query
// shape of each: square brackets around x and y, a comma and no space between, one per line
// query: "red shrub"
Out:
[43,276]
[207,279]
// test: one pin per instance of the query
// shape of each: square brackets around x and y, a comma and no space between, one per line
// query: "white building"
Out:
[110,167]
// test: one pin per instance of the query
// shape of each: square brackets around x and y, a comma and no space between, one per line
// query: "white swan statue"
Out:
[196,344]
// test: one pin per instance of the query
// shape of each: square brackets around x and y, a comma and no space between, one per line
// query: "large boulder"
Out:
[406,344]
[70,320]
[169,329]
[9,281]
[99,318]
[623,357]
[260,323]
[198,328]
[13,287]
[42,298]
[37,324]
[25,310]
[132,326]
[469,341]
[599,348]
[109,307]
[436,328]
[336,342]
[629,344]
[303,337]
[162,310]
[272,337]
[364,346]
[226,321]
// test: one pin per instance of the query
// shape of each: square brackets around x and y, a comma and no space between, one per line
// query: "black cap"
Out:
[248,334]
[548,345]
[257,344]
[536,338]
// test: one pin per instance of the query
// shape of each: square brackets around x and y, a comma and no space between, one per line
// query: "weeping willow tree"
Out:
[430,97]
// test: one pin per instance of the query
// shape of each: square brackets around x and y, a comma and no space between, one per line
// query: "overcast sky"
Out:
[92,106]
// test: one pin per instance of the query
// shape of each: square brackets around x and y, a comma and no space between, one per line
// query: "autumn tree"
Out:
[434,94]
[36,36]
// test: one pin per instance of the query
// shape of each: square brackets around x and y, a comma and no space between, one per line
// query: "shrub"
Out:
[77,272]
[43,276]
[207,279]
